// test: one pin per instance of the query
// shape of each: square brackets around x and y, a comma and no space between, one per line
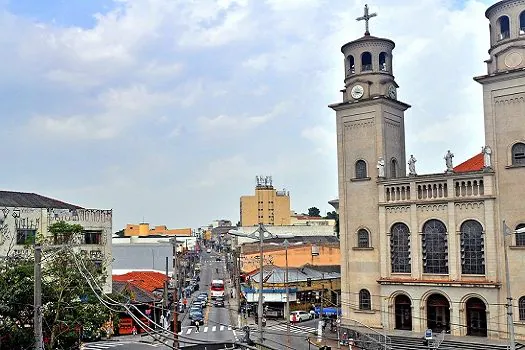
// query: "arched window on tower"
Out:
[393,168]
[365,303]
[366,61]
[435,247]
[520,237]
[363,239]
[504,27]
[360,169]
[350,64]
[518,154]
[382,62]
[521,308]
[472,248]
[522,23]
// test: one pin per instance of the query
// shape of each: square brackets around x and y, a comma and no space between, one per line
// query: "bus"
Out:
[217,289]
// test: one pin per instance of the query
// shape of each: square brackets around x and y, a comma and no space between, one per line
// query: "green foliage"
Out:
[16,302]
[314,211]
[68,303]
[63,231]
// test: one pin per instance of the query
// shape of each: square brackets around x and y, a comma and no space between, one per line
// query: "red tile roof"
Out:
[147,280]
[475,163]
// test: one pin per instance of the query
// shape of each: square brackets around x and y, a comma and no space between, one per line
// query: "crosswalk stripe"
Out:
[188,331]
[214,328]
[221,328]
[229,328]
[205,329]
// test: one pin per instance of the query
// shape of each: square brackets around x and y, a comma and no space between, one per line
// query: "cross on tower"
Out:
[366,17]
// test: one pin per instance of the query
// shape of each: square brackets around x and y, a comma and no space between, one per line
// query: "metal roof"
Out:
[32,200]
[276,275]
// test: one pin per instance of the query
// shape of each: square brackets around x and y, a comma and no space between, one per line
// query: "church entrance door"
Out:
[476,317]
[403,309]
[438,313]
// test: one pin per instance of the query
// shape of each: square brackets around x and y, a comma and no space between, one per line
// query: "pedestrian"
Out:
[231,293]
[197,325]
[134,330]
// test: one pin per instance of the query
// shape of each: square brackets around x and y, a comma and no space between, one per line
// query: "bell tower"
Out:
[504,105]
[370,148]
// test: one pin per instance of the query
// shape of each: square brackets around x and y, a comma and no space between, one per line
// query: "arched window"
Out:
[518,154]
[360,169]
[350,64]
[393,168]
[435,247]
[504,27]
[363,239]
[364,300]
[400,248]
[472,248]
[382,62]
[522,23]
[520,237]
[366,61]
[521,308]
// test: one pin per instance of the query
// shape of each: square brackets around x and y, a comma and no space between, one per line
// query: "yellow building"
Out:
[268,206]
[144,230]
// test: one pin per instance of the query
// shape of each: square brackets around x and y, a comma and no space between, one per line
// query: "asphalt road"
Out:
[217,326]
[121,345]
[275,335]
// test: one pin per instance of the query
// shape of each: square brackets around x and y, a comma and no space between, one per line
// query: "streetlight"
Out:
[286,282]
[259,235]
[510,321]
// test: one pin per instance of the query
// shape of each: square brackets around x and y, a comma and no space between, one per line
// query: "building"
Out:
[317,251]
[307,285]
[143,229]
[427,251]
[268,206]
[297,219]
[24,215]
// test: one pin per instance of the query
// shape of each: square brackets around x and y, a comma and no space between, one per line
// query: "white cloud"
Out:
[161,77]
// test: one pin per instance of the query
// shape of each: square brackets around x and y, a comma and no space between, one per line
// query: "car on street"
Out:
[218,258]
[203,299]
[208,251]
[300,316]
[218,302]
[197,316]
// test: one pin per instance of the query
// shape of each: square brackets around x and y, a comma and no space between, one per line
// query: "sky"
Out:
[166,110]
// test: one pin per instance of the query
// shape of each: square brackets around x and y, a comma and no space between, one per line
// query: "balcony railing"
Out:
[426,189]
[85,238]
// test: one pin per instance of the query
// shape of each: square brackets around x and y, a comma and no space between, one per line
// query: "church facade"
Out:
[428,251]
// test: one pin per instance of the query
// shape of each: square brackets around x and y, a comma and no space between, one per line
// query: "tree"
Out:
[68,302]
[313,211]
[334,216]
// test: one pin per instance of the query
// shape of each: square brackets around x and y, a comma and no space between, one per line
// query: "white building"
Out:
[24,215]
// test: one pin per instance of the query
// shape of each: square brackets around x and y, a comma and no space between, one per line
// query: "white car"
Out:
[208,251]
[300,316]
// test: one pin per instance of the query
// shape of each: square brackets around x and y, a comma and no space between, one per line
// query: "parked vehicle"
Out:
[208,251]
[300,316]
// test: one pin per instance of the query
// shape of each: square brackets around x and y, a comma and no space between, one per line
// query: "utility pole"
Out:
[165,294]
[287,287]
[37,322]
[510,319]
[175,295]
[261,283]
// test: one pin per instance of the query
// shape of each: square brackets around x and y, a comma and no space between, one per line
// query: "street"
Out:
[217,326]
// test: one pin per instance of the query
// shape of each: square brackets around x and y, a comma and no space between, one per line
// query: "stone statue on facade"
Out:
[487,157]
[448,161]
[412,165]
[381,167]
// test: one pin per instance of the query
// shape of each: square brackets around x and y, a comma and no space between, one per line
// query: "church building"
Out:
[427,251]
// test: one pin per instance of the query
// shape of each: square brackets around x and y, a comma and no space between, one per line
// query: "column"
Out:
[415,241]
[454,269]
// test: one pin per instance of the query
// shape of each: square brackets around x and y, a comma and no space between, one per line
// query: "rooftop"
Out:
[276,275]
[475,163]
[147,280]
[128,288]
[32,200]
